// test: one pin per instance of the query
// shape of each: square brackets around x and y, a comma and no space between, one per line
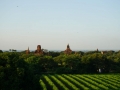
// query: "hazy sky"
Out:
[84,24]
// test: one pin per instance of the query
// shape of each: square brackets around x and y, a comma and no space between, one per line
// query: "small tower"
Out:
[97,50]
[39,50]
[27,51]
[68,50]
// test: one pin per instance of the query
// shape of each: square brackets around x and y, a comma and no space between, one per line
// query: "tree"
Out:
[1,51]
[15,73]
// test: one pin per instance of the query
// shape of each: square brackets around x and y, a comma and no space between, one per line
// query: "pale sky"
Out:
[84,24]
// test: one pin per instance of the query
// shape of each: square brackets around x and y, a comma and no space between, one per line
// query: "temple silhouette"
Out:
[68,50]
[40,51]
[27,51]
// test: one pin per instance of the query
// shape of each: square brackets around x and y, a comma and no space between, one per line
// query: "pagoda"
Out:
[68,50]
[27,51]
[39,51]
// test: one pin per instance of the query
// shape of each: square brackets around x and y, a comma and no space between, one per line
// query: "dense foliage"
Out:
[22,71]
[16,74]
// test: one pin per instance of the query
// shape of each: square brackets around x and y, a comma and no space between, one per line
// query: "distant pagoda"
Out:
[27,51]
[39,51]
[68,50]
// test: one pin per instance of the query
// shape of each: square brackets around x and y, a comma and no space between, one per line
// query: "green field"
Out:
[80,82]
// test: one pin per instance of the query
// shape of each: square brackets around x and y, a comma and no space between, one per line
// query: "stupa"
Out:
[27,51]
[68,50]
[39,51]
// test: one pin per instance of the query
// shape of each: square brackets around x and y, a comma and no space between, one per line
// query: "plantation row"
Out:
[80,82]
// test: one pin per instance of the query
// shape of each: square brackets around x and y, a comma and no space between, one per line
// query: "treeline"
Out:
[16,73]
[19,71]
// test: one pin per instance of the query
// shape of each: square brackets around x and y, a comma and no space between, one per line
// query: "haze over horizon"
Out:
[83,24]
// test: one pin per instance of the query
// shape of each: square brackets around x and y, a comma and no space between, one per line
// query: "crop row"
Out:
[79,82]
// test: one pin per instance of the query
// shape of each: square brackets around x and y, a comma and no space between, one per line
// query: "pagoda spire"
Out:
[68,50]
[68,46]
[27,51]
[28,48]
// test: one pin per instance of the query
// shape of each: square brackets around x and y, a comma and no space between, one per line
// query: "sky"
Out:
[83,24]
